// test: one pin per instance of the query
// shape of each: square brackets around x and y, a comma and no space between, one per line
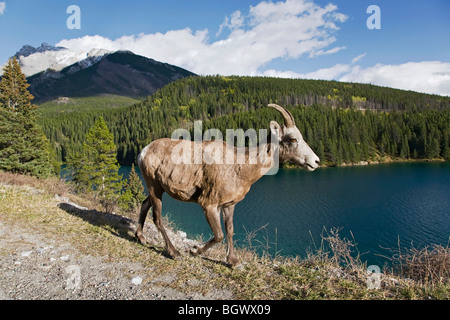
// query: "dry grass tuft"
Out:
[429,266]
[51,185]
[339,251]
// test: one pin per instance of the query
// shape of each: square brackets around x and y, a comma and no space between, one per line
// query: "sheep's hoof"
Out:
[174,254]
[194,251]
[234,263]
[177,257]
[238,266]
[140,238]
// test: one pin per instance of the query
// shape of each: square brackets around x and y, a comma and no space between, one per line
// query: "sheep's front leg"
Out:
[156,198]
[212,214]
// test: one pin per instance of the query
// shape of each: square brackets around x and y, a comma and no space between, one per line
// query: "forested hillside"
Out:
[342,122]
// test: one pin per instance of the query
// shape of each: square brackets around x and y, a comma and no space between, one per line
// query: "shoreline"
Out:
[389,160]
[370,162]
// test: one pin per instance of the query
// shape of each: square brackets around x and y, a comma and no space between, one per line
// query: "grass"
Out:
[83,104]
[332,270]
[428,267]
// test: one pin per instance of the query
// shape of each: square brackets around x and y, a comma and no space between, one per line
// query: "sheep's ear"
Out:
[276,130]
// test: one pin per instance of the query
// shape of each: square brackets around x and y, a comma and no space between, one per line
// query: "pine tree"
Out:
[95,168]
[14,93]
[133,195]
[23,146]
[446,147]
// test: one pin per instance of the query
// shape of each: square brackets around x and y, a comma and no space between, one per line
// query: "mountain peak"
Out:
[28,50]
[48,57]
[103,72]
[57,71]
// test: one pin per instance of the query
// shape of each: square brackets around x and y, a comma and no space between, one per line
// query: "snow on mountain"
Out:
[34,60]
[54,72]
[121,73]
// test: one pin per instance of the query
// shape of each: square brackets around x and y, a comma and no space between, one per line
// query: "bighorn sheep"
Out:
[214,187]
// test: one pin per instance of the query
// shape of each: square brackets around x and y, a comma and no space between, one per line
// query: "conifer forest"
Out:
[342,122]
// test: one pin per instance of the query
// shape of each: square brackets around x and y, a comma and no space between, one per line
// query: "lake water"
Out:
[379,204]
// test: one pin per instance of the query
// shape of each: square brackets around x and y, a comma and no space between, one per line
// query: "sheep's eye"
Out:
[293,140]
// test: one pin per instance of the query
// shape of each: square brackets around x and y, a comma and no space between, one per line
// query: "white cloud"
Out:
[331,51]
[236,20]
[271,30]
[357,58]
[331,73]
[2,7]
[426,76]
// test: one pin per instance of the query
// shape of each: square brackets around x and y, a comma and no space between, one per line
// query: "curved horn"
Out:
[287,116]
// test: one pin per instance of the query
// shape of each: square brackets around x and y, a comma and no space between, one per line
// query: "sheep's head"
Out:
[292,146]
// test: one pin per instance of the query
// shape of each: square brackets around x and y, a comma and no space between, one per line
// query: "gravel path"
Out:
[36,266]
[33,267]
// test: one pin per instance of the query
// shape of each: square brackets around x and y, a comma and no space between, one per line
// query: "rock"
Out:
[26,253]
[181,234]
[136,280]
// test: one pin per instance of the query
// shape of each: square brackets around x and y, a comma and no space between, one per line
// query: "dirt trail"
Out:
[38,265]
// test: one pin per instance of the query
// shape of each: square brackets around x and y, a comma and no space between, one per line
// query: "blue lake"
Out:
[378,204]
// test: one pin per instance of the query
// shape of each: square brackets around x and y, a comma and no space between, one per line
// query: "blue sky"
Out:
[326,39]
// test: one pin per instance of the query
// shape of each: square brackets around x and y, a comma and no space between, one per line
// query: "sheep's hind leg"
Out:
[146,205]
[213,217]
